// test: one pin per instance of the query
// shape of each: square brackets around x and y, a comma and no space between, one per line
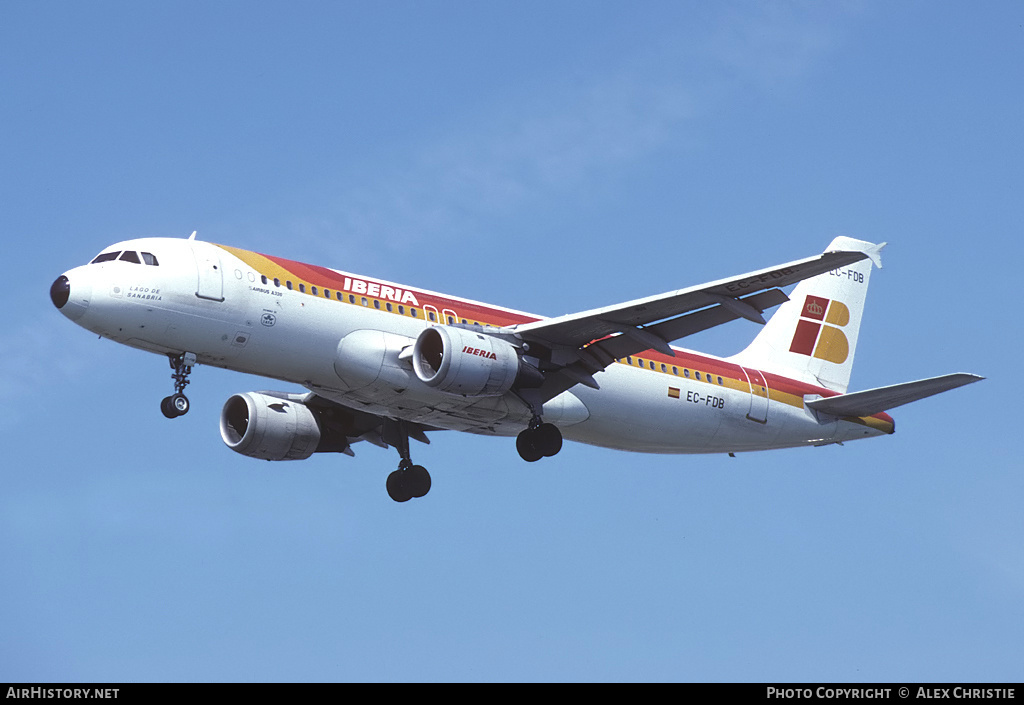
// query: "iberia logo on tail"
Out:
[818,331]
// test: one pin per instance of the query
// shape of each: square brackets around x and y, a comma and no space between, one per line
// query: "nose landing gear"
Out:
[177,404]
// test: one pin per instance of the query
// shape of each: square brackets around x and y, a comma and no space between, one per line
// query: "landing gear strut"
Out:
[540,440]
[177,404]
[408,480]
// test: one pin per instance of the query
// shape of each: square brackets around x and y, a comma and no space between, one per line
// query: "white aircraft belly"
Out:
[634,411]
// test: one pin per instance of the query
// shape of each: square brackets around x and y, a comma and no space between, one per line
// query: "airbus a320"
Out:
[387,363]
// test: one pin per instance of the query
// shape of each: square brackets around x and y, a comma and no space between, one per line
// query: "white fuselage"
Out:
[341,335]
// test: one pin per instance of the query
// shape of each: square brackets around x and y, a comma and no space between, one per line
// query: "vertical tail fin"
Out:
[813,336]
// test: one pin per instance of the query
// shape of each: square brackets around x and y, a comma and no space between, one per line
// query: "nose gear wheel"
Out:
[177,404]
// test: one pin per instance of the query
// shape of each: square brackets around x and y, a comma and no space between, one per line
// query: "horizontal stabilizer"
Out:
[873,401]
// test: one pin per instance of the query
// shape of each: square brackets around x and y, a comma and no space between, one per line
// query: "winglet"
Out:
[847,244]
[875,254]
[193,235]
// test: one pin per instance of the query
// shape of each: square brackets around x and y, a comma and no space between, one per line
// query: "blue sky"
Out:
[550,157]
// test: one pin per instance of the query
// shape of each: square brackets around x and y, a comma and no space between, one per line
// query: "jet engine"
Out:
[459,361]
[269,428]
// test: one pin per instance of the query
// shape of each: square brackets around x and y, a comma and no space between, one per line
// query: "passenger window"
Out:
[389,306]
[351,298]
[719,380]
[663,368]
[401,310]
[686,373]
[302,288]
[675,371]
[149,259]
[432,317]
[277,282]
[289,283]
[129,256]
[413,312]
[312,290]
[263,278]
[376,304]
[364,301]
[697,375]
[106,257]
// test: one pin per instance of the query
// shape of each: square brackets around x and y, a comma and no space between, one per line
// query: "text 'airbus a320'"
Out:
[385,363]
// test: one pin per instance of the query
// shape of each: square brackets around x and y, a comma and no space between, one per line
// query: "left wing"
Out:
[575,346]
[344,425]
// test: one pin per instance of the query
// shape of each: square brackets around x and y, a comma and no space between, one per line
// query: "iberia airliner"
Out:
[384,363]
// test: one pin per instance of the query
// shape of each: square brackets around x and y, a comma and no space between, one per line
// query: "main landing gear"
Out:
[409,480]
[177,404]
[540,440]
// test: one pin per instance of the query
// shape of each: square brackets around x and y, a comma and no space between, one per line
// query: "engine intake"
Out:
[269,428]
[464,362]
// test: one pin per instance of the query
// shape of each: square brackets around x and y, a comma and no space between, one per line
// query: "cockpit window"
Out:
[127,256]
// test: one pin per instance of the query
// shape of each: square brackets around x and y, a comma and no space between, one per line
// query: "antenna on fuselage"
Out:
[193,235]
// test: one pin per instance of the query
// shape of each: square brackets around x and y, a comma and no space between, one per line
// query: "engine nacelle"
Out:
[464,362]
[368,360]
[269,428]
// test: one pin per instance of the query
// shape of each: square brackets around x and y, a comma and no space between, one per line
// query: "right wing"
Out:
[576,346]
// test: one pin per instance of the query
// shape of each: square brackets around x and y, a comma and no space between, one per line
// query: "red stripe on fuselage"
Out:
[324,277]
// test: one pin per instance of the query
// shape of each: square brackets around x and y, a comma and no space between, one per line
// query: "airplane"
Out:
[384,363]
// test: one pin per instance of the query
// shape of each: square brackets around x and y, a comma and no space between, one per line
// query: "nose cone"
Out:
[71,294]
[60,291]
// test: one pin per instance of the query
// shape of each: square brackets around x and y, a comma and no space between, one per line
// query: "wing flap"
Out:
[620,346]
[354,424]
[873,401]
